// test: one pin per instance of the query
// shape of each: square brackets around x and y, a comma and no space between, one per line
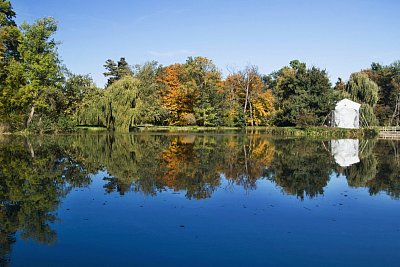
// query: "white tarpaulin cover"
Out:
[345,151]
[347,114]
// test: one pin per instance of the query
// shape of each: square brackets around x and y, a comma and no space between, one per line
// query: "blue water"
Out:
[263,225]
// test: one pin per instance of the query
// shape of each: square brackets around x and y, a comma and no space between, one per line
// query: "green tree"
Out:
[9,40]
[387,78]
[9,33]
[33,80]
[205,79]
[340,85]
[75,88]
[127,102]
[120,104]
[116,71]
[42,69]
[363,90]
[91,109]
[111,71]
[7,14]
[303,96]
[149,102]
[123,68]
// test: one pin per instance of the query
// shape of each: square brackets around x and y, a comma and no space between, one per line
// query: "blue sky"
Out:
[340,36]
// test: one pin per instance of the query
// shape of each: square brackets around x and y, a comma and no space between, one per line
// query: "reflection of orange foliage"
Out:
[176,158]
[195,165]
[264,151]
[231,144]
[189,165]
[172,164]
[187,139]
[244,164]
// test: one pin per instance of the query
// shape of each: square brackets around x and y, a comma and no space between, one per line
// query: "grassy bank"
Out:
[91,128]
[275,131]
[172,129]
[323,132]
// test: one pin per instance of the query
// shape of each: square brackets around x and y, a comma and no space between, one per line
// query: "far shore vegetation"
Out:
[307,131]
[38,94]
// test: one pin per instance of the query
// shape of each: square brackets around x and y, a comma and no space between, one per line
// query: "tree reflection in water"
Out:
[34,177]
[301,167]
[196,163]
[37,173]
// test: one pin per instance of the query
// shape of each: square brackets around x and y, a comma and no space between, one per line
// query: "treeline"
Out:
[38,93]
[194,93]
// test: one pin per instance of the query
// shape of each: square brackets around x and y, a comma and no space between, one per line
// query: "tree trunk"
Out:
[247,95]
[395,114]
[204,118]
[30,117]
[251,114]
[245,159]
[29,147]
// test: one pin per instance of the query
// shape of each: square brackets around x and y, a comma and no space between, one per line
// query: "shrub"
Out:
[45,124]
[4,128]
[189,119]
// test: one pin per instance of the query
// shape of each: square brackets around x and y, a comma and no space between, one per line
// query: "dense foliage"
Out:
[39,94]
[304,96]
[387,108]
[364,91]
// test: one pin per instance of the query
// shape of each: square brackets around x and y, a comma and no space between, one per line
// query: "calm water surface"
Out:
[198,200]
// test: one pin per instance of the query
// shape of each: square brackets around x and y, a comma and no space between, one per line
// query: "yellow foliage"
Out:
[263,107]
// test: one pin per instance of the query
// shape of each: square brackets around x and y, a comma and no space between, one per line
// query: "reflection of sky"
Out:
[234,227]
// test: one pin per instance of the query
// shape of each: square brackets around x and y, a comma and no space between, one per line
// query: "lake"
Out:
[215,199]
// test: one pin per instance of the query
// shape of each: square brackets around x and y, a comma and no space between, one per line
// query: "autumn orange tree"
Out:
[177,98]
[192,93]
[251,102]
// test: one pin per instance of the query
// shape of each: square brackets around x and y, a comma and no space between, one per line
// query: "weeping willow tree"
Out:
[365,91]
[121,104]
[91,109]
[368,117]
[117,107]
[127,102]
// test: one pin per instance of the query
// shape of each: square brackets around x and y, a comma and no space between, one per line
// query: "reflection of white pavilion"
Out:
[345,151]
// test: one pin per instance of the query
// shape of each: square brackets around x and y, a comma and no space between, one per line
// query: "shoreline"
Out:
[273,131]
